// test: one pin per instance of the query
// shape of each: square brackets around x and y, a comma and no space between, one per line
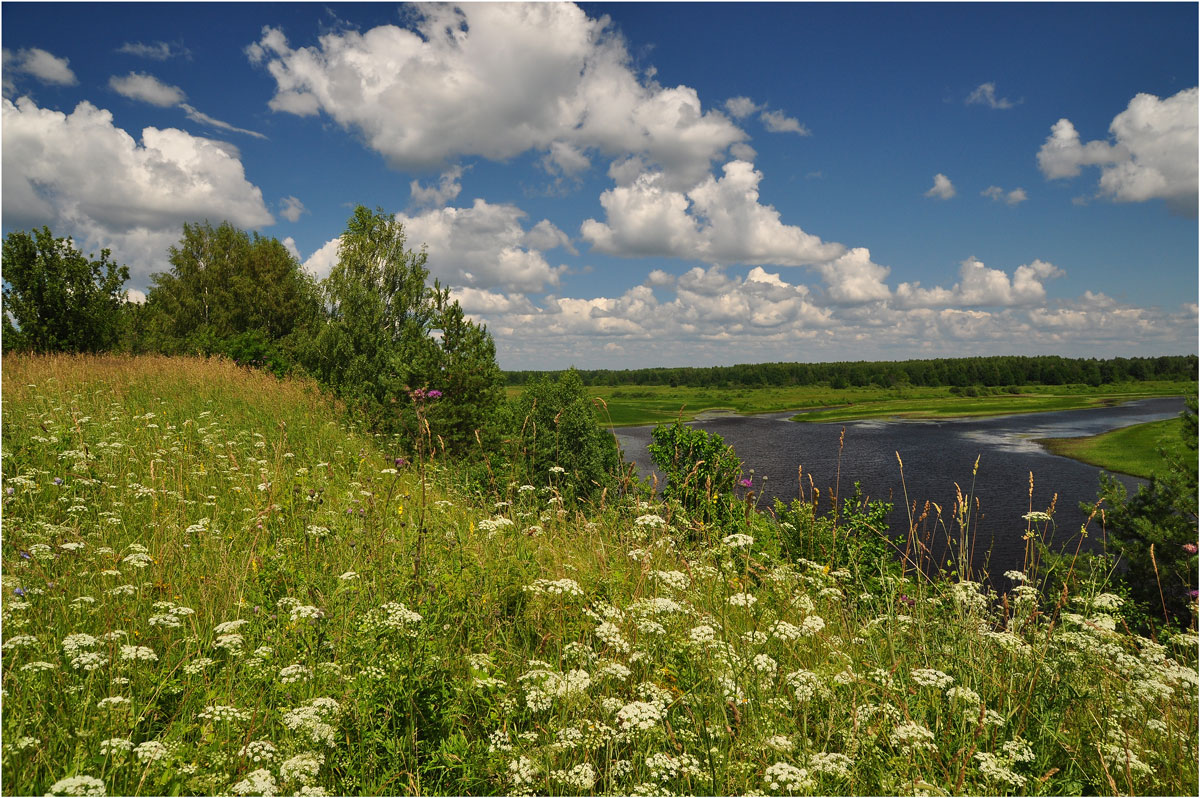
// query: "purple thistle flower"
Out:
[17,591]
[434,394]
[1190,548]
[747,482]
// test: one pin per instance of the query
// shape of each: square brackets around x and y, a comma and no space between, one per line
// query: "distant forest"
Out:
[996,371]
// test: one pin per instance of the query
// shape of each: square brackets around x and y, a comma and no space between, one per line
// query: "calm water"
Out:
[936,454]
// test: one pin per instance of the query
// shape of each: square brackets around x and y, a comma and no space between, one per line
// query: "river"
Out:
[936,455]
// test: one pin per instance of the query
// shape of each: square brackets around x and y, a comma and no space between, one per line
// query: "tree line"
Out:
[377,334]
[995,371]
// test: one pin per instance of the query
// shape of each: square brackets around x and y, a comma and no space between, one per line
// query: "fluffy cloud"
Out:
[853,279]
[777,122]
[158,51]
[985,94]
[495,80]
[1014,197]
[147,89]
[43,66]
[291,208]
[1152,154]
[942,187]
[448,188]
[742,107]
[711,315]
[321,263]
[980,286]
[718,221]
[82,175]
[485,246]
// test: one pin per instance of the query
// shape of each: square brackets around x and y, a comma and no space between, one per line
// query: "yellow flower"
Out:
[400,509]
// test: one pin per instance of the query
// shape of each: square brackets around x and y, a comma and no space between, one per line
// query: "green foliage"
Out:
[556,423]
[1161,517]
[702,471]
[230,293]
[398,350]
[852,535]
[58,300]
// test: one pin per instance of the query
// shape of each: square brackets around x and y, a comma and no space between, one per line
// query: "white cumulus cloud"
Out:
[985,94]
[1014,197]
[495,80]
[82,175]
[980,286]
[484,246]
[942,187]
[42,65]
[1151,154]
[778,122]
[291,208]
[147,89]
[720,220]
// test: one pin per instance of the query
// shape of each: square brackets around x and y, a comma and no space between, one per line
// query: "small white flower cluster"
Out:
[302,768]
[258,751]
[494,525]
[555,587]
[787,777]
[928,677]
[738,540]
[611,636]
[315,720]
[522,771]
[831,764]
[395,616]
[75,647]
[676,580]
[138,654]
[702,635]
[151,751]
[613,670]
[78,785]
[639,716]
[665,767]
[257,782]
[913,737]
[116,746]
[295,673]
[580,778]
[805,684]
[780,742]
[996,769]
[224,712]
[650,521]
[742,600]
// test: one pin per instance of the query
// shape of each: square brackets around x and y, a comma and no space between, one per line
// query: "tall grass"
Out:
[211,586]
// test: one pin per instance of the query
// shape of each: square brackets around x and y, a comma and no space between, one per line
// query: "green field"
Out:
[216,584]
[642,405]
[1130,450]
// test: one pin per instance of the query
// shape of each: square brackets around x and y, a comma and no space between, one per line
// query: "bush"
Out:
[556,424]
[702,471]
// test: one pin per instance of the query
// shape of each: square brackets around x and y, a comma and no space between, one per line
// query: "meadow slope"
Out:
[214,584]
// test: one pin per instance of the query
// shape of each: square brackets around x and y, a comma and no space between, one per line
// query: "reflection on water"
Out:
[936,455]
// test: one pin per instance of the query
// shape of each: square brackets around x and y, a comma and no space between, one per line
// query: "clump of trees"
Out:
[56,299]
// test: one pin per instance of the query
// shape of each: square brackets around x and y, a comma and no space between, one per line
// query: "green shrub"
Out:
[702,472]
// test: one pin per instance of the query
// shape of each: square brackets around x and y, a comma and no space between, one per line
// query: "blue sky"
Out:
[623,185]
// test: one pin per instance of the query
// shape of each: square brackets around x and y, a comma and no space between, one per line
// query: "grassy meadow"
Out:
[651,404]
[1130,450]
[213,584]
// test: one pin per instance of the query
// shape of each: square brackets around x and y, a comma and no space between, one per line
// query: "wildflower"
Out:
[745,483]
[780,743]
[302,768]
[1190,548]
[665,767]
[994,769]
[78,785]
[927,677]
[610,635]
[257,782]
[913,737]
[580,778]
[258,751]
[115,745]
[738,540]
[639,716]
[742,600]
[782,776]
[522,771]
[112,702]
[650,521]
[223,712]
[138,654]
[151,751]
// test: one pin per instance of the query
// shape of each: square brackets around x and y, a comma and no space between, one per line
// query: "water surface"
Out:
[936,455]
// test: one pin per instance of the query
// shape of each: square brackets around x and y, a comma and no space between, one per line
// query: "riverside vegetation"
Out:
[380,575]
[214,583]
